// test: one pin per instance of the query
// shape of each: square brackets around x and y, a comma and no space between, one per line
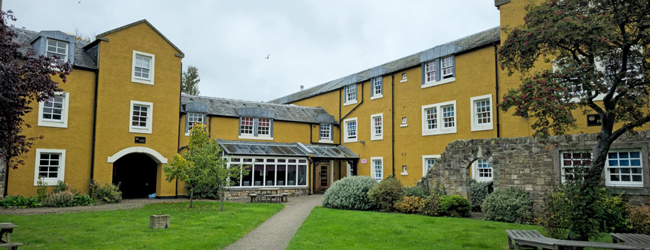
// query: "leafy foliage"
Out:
[409,205]
[417,191]
[455,206]
[350,193]
[20,202]
[106,193]
[563,218]
[386,193]
[432,206]
[59,199]
[508,205]
[42,189]
[206,191]
[640,220]
[190,81]
[24,79]
[61,186]
[203,164]
[83,200]
[479,190]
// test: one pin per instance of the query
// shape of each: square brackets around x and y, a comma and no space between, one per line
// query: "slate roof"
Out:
[81,58]
[228,107]
[296,149]
[464,44]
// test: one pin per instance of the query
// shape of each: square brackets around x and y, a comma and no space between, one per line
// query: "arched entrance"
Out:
[136,173]
[136,169]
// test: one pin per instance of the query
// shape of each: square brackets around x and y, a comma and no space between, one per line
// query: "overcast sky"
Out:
[310,42]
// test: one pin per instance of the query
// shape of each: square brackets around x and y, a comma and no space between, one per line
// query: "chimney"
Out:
[301,86]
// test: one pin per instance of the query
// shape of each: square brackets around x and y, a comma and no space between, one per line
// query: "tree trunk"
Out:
[191,196]
[221,196]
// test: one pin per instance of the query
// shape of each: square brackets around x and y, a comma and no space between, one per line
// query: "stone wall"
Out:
[527,163]
[240,193]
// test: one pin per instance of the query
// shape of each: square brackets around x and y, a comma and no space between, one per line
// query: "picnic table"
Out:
[6,229]
[269,194]
[534,239]
[638,240]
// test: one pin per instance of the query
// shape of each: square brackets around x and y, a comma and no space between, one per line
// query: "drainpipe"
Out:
[496,88]
[6,174]
[356,106]
[178,140]
[313,174]
[340,125]
[92,145]
[392,119]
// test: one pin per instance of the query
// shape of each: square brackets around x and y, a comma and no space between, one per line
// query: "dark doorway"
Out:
[136,174]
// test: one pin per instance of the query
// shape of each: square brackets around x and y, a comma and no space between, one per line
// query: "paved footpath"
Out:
[277,231]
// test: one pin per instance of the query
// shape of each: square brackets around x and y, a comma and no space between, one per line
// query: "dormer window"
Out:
[439,71]
[59,49]
[143,67]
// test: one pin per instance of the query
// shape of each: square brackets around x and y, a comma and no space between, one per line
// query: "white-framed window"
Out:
[438,71]
[59,49]
[350,93]
[427,163]
[50,166]
[377,127]
[246,125]
[256,128]
[403,78]
[377,168]
[325,132]
[404,170]
[377,88]
[482,170]
[350,130]
[404,124]
[53,112]
[569,160]
[270,171]
[191,119]
[624,168]
[143,67]
[481,110]
[141,117]
[439,118]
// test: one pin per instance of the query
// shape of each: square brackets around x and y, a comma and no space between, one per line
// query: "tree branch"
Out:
[628,127]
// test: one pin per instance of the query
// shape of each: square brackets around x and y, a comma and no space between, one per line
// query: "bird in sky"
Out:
[267,57]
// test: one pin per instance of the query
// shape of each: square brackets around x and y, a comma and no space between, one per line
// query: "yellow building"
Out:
[112,122]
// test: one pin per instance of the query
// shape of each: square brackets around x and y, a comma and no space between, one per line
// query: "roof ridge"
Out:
[247,101]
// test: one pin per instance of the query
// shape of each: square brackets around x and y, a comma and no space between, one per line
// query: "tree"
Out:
[190,81]
[600,50]
[203,163]
[24,79]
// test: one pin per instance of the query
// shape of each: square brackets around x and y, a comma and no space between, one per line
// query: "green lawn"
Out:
[343,229]
[202,227]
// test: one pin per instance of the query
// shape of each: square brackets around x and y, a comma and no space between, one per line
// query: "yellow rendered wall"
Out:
[76,139]
[328,101]
[116,92]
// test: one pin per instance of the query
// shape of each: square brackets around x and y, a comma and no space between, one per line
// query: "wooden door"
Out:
[322,177]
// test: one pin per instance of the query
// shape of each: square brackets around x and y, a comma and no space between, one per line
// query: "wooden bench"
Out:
[253,196]
[534,239]
[285,197]
[10,246]
[637,240]
[278,197]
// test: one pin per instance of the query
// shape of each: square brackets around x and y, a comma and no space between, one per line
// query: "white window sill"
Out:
[139,130]
[252,137]
[443,81]
[403,81]
[377,138]
[53,124]
[325,141]
[376,97]
[483,179]
[482,127]
[142,80]
[438,132]
[350,103]
[48,182]
[349,140]
[625,185]
[403,173]
[404,125]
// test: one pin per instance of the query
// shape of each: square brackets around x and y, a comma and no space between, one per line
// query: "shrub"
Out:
[206,191]
[42,189]
[508,205]
[431,205]
[479,191]
[350,193]
[61,186]
[59,199]
[20,202]
[455,206]
[416,191]
[384,195]
[560,219]
[409,205]
[107,193]
[640,220]
[83,200]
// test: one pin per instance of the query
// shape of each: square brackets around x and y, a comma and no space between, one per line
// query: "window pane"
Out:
[258,175]
[291,175]
[270,175]
[302,175]
[281,175]
[247,180]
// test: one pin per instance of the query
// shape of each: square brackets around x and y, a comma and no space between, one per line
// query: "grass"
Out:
[343,229]
[202,227]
